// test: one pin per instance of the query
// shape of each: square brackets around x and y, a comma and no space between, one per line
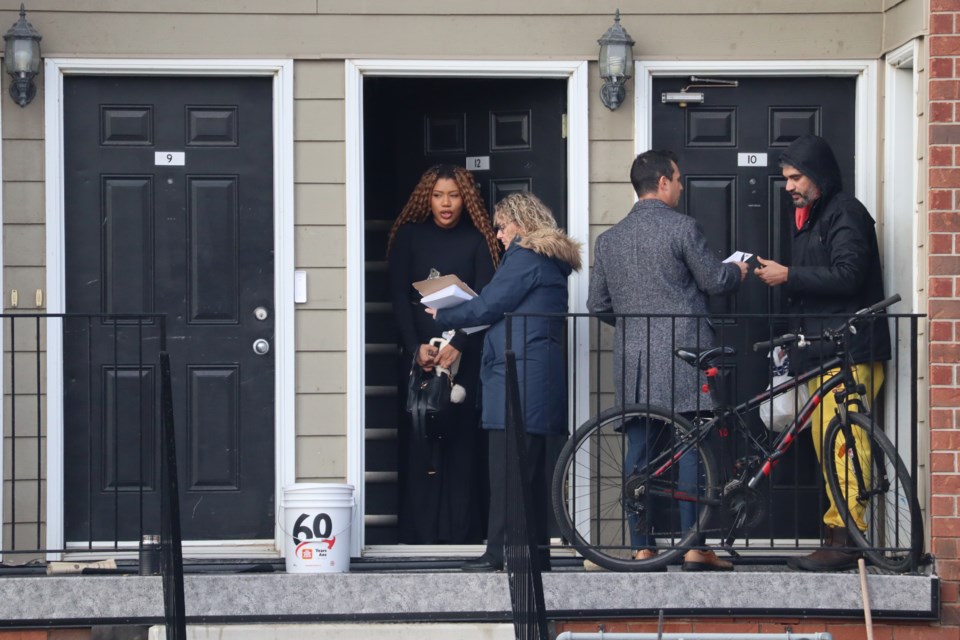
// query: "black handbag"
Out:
[428,397]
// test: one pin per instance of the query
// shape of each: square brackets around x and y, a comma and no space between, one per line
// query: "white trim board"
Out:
[282,72]
[578,222]
[865,71]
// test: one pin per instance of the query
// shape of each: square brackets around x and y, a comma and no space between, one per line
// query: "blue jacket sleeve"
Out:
[483,271]
[516,277]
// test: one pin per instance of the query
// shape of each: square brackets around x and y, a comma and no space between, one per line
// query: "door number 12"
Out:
[478,163]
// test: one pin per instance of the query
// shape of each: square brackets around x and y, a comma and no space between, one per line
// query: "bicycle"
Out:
[596,502]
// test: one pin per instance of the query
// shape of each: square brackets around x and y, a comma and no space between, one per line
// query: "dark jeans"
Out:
[643,442]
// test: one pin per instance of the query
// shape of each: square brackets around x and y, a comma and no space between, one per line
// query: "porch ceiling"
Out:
[38,601]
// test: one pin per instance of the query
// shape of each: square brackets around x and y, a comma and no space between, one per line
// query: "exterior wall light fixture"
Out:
[21,58]
[616,63]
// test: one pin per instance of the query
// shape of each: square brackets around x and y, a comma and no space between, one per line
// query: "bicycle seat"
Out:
[703,358]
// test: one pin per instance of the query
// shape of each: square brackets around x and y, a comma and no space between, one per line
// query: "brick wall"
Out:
[943,293]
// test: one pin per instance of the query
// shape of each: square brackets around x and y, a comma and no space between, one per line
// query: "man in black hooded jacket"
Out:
[835,269]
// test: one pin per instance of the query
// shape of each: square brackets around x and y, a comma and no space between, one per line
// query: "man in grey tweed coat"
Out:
[656,261]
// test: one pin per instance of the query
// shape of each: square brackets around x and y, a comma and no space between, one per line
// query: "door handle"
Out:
[261,347]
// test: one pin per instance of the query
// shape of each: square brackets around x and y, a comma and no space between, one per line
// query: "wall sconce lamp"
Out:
[21,58]
[616,63]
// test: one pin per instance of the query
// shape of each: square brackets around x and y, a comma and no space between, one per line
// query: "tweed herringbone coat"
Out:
[656,261]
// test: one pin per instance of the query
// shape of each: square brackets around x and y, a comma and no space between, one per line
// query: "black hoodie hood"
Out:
[813,157]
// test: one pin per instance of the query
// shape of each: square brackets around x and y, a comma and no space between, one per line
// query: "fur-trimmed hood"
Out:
[553,243]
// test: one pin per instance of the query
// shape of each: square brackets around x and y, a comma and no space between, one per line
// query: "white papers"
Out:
[449,296]
[738,256]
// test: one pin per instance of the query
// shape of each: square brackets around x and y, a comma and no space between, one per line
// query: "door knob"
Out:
[261,347]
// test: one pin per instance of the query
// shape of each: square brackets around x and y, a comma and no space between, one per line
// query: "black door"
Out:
[169,209]
[509,133]
[740,202]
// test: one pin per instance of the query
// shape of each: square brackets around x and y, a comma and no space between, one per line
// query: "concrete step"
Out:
[344,631]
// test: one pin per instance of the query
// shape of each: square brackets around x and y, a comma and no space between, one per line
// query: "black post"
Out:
[521,553]
[171,563]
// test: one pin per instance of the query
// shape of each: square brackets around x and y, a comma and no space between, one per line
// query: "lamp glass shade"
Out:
[22,56]
[616,60]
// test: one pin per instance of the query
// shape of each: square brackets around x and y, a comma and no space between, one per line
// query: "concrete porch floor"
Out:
[448,595]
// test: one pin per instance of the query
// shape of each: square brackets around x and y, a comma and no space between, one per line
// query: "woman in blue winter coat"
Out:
[532,278]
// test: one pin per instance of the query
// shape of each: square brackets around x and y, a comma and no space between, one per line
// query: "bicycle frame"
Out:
[786,438]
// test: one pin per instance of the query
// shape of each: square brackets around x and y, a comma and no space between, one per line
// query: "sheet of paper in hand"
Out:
[738,256]
[446,291]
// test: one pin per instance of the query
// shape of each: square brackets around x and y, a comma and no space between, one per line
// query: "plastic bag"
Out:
[786,404]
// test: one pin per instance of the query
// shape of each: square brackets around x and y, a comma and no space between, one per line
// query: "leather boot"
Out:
[830,557]
[706,560]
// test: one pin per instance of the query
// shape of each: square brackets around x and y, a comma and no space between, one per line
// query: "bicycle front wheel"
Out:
[609,501]
[874,494]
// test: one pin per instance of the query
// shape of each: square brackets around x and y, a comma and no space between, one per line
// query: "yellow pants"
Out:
[871,376]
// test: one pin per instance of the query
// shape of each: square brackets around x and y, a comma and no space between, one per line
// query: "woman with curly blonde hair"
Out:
[532,280]
[443,229]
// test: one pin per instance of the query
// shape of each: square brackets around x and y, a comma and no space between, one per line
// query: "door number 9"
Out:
[169,158]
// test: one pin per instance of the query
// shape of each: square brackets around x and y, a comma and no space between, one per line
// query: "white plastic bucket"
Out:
[316,524]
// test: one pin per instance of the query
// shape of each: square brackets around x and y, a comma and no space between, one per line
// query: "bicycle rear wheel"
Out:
[893,538]
[597,502]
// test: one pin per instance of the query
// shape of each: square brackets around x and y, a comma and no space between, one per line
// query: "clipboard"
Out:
[431,285]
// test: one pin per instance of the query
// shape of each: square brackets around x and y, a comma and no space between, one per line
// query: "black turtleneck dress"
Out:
[447,504]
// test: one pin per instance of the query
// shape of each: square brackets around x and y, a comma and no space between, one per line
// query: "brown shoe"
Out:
[645,554]
[696,560]
[831,557]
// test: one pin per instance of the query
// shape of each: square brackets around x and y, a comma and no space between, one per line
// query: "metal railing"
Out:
[110,417]
[797,497]
[521,553]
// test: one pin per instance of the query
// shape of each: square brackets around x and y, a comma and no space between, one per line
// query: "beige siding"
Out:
[320,204]
[320,240]
[903,20]
[26,417]
[427,7]
[701,28]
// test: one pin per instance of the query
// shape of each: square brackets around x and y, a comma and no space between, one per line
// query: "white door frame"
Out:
[865,71]
[903,248]
[578,217]
[55,69]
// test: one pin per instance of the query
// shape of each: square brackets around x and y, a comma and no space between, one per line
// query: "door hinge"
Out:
[563,126]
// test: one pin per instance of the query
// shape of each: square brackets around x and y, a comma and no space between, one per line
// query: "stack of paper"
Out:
[449,296]
[444,292]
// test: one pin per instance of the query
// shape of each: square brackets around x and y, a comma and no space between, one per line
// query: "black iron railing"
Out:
[788,518]
[111,412]
[523,559]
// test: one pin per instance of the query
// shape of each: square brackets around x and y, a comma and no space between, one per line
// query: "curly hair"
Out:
[418,207]
[525,209]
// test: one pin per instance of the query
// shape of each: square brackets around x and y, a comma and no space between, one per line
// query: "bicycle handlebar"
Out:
[789,338]
[878,306]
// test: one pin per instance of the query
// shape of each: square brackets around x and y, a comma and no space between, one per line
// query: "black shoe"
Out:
[483,563]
